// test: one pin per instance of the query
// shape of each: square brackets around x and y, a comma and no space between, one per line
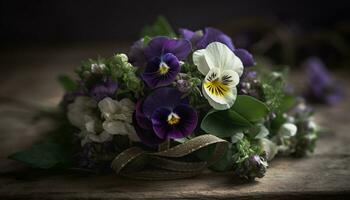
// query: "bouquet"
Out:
[173,106]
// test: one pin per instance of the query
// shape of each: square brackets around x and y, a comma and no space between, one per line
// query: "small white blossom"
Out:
[115,119]
[118,117]
[97,68]
[288,130]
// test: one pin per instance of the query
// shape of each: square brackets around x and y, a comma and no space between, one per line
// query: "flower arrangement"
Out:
[173,106]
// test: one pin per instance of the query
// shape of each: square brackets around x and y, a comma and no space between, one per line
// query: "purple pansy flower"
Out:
[105,89]
[163,55]
[164,115]
[321,87]
[201,40]
[136,54]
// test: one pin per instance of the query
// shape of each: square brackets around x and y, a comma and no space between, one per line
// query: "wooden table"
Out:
[29,74]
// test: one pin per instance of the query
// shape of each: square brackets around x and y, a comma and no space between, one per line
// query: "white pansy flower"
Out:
[118,117]
[222,69]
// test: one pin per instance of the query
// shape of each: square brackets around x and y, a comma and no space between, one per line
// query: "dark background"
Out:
[66,20]
[284,32]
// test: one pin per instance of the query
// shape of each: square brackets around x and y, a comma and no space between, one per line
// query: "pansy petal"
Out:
[220,56]
[229,77]
[188,120]
[155,48]
[200,61]
[162,97]
[155,78]
[221,103]
[140,118]
[186,33]
[147,136]
[219,88]
[161,45]
[136,54]
[179,47]
[186,124]
[214,35]
[246,57]
[159,122]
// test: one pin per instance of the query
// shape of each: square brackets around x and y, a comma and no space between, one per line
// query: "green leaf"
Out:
[67,83]
[287,102]
[44,155]
[225,163]
[146,40]
[224,123]
[250,108]
[161,27]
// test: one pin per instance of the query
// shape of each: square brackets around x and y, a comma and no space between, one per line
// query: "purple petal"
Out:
[140,117]
[105,89]
[147,136]
[214,35]
[136,54]
[246,57]
[186,33]
[152,76]
[321,87]
[162,97]
[159,46]
[187,122]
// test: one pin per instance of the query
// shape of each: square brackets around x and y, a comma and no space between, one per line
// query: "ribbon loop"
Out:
[165,164]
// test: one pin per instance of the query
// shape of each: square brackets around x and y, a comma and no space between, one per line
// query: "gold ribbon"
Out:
[169,163]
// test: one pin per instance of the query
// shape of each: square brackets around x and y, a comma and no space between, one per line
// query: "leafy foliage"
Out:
[44,155]
[273,85]
[160,27]
[67,83]
[241,116]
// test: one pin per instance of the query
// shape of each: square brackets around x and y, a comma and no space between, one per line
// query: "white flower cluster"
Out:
[115,119]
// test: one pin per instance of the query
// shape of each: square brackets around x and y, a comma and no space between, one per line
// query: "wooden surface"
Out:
[29,74]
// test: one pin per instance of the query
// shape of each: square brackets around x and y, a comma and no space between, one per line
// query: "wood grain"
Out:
[322,175]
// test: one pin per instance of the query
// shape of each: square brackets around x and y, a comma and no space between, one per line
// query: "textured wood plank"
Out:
[323,175]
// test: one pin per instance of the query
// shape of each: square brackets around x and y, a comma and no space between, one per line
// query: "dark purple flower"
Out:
[161,71]
[321,87]
[164,115]
[214,35]
[173,123]
[146,135]
[163,55]
[136,54]
[193,37]
[246,57]
[105,89]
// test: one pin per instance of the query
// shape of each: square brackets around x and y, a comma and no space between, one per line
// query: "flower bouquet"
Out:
[173,106]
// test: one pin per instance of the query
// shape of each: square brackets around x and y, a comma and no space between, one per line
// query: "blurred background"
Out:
[44,38]
[287,31]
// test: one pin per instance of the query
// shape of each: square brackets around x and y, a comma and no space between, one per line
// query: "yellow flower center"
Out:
[217,87]
[163,68]
[173,119]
